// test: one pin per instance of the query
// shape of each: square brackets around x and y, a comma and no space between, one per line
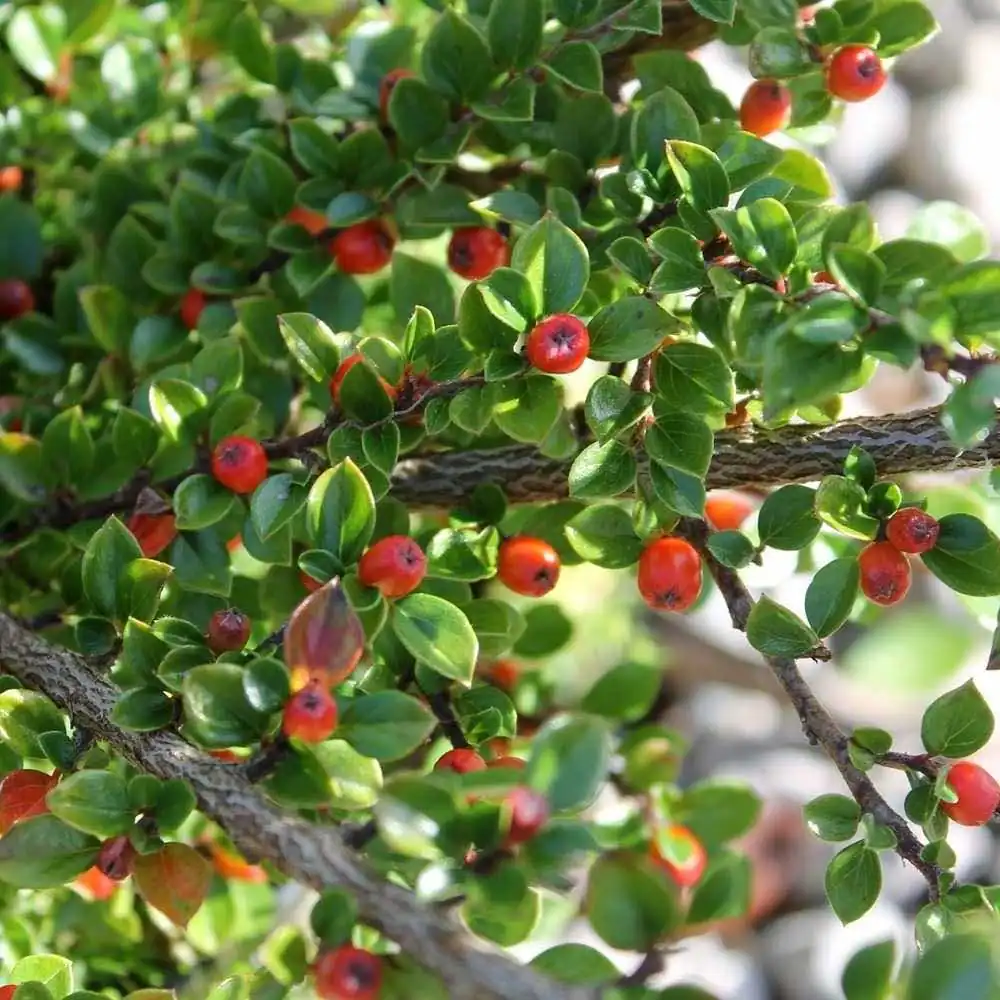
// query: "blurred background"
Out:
[925,141]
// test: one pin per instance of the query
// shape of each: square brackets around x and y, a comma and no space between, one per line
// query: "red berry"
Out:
[885,573]
[462,760]
[912,530]
[514,763]
[558,345]
[309,582]
[824,278]
[11,178]
[766,107]
[528,566]
[504,674]
[726,510]
[310,715]
[396,565]
[680,854]
[343,368]
[978,794]
[153,532]
[96,883]
[191,307]
[226,756]
[855,73]
[348,973]
[363,248]
[239,463]
[387,85]
[312,222]
[115,858]
[669,574]
[7,992]
[16,298]
[476,252]
[228,631]
[527,811]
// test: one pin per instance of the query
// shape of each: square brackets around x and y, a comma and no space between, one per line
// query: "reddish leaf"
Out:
[325,638]
[22,794]
[174,880]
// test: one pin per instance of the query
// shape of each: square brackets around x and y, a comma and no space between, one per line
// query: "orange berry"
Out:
[311,221]
[978,794]
[558,345]
[885,573]
[396,565]
[461,760]
[476,252]
[239,463]
[528,566]
[766,107]
[363,248]
[855,73]
[669,574]
[912,530]
[726,510]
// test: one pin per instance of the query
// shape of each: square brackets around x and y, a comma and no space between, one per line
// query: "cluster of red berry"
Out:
[853,73]
[347,973]
[884,566]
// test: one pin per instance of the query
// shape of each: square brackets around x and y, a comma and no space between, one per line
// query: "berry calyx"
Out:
[978,794]
[239,463]
[115,858]
[528,566]
[855,73]
[461,760]
[228,631]
[153,532]
[526,812]
[476,252]
[310,715]
[766,107]
[885,573]
[348,973]
[192,306]
[11,178]
[387,85]
[726,510]
[678,852]
[912,530]
[396,565]
[364,248]
[343,368]
[16,298]
[311,221]
[669,574]
[558,345]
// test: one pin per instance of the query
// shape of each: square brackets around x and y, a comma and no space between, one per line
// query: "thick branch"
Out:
[314,855]
[744,458]
[817,723]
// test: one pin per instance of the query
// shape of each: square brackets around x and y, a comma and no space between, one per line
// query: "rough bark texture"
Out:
[313,855]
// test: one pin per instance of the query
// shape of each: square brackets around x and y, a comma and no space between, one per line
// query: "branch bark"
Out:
[744,458]
[313,855]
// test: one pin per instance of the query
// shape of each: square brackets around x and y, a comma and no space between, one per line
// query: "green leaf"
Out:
[778,52]
[22,249]
[386,725]
[456,60]
[958,723]
[415,282]
[555,262]
[251,49]
[577,64]
[463,553]
[732,548]
[340,512]
[109,551]
[484,712]
[966,556]
[603,534]
[514,30]
[626,692]
[418,114]
[143,710]
[311,342]
[438,634]
[266,684]
[135,437]
[853,882]
[682,441]
[957,967]
[275,502]
[109,317]
[902,26]
[868,975]
[578,964]
[693,377]
[833,817]
[24,717]
[333,917]
[22,467]
[683,265]
[723,892]
[700,174]
[950,225]
[628,329]
[68,447]
[831,594]
[612,407]
[722,11]
[569,760]
[526,408]
[501,906]
[664,115]
[629,904]
[602,470]
[43,852]
[718,809]
[680,491]
[267,184]
[355,780]
[497,625]
[200,501]
[775,631]
[95,802]
[859,273]
[139,588]
[787,519]
[216,708]
[52,971]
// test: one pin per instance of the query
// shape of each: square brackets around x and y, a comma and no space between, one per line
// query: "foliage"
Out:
[228,225]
